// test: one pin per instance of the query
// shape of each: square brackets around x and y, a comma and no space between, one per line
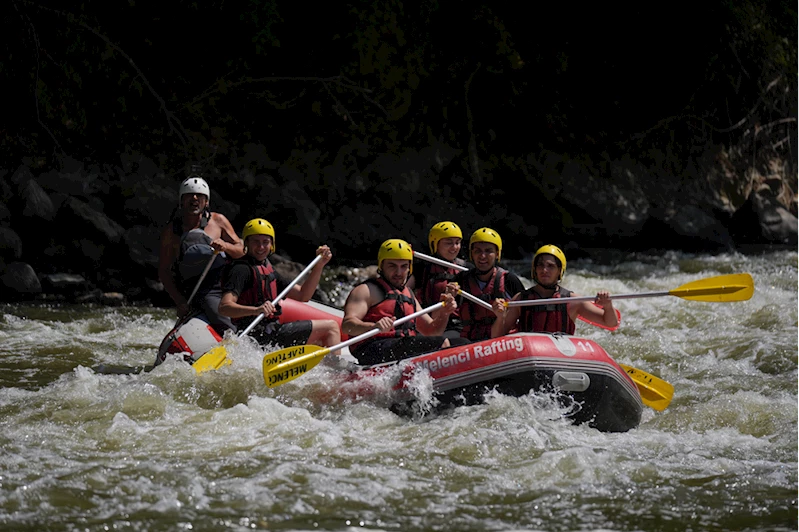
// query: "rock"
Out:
[112,299]
[84,220]
[306,225]
[693,223]
[149,204]
[20,280]
[286,267]
[143,246]
[614,202]
[92,296]
[73,179]
[64,283]
[10,244]
[777,224]
[36,203]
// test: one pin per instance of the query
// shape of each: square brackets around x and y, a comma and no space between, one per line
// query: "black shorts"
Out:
[383,350]
[284,335]
[209,303]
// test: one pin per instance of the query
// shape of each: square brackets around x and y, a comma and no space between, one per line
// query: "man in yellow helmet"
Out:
[547,271]
[188,242]
[486,281]
[377,303]
[250,284]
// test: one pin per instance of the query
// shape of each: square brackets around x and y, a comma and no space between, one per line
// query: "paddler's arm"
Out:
[239,277]
[229,242]
[356,307]
[604,314]
[506,317]
[230,307]
[306,290]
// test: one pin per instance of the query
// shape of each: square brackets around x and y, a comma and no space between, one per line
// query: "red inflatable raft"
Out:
[576,370]
[580,374]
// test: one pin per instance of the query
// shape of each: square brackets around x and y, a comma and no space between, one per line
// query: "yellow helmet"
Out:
[259,226]
[556,252]
[443,230]
[394,248]
[486,234]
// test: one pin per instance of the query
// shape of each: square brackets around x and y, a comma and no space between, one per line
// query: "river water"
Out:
[171,450]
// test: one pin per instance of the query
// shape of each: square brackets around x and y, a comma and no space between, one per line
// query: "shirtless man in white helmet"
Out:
[188,241]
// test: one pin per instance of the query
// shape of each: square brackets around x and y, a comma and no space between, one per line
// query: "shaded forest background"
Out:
[348,123]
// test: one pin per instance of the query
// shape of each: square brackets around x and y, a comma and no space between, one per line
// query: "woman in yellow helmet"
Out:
[250,285]
[377,303]
[430,280]
[547,271]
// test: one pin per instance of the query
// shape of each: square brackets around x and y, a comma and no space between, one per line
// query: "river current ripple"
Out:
[170,450]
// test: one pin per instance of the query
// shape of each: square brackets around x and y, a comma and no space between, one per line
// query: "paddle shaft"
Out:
[202,277]
[719,289]
[475,299]
[282,294]
[285,365]
[440,262]
[535,302]
[446,264]
[369,334]
[217,357]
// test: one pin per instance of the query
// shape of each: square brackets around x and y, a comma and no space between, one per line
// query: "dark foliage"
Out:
[187,81]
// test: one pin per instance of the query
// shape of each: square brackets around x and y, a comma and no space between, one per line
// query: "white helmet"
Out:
[194,185]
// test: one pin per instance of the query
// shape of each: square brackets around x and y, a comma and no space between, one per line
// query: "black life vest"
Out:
[546,318]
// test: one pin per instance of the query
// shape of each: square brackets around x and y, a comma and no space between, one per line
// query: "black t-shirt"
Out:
[239,279]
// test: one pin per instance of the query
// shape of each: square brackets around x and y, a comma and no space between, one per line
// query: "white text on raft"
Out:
[478,351]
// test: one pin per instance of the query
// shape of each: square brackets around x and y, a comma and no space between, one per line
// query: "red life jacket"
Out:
[434,280]
[395,304]
[545,318]
[263,288]
[477,320]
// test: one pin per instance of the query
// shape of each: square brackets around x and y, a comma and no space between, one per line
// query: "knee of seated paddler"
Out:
[330,325]
[329,329]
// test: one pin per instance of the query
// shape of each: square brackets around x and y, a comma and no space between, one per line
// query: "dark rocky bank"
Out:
[88,233]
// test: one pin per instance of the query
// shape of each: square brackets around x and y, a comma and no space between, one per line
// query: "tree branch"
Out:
[173,121]
[340,81]
[35,35]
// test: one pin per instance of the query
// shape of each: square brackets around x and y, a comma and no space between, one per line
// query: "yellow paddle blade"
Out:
[720,289]
[655,392]
[287,364]
[213,359]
